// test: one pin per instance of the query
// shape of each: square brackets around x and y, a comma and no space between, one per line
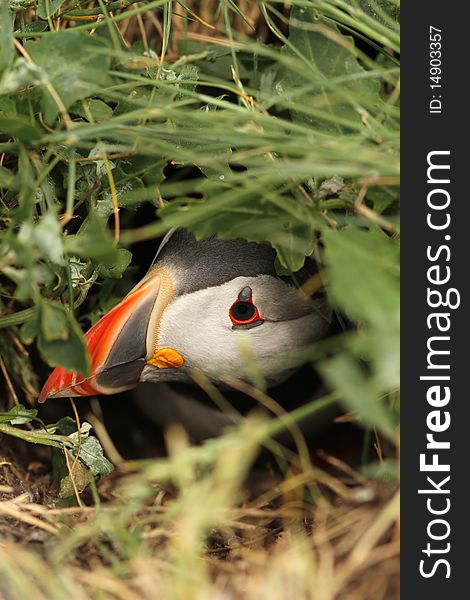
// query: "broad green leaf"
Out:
[18,415]
[20,4]
[91,453]
[221,171]
[26,179]
[7,179]
[46,8]
[74,64]
[90,450]
[383,197]
[119,265]
[148,169]
[54,321]
[20,74]
[186,79]
[363,281]
[65,426]
[381,347]
[386,12]
[28,279]
[30,328]
[6,37]
[7,106]
[48,237]
[298,242]
[125,183]
[35,27]
[21,128]
[328,78]
[213,60]
[85,429]
[98,109]
[60,338]
[93,241]
[359,393]
[363,268]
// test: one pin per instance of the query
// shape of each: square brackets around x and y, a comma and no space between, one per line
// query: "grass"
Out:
[118,121]
[181,528]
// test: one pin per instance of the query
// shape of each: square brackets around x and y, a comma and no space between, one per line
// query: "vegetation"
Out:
[264,120]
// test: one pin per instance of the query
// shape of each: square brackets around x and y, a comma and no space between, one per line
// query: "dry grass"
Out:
[208,533]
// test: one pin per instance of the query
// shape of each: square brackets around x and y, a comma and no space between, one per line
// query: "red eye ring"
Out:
[243,313]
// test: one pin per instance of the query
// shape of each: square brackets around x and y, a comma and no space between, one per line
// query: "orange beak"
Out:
[121,343]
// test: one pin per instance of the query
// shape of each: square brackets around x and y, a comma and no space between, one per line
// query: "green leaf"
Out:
[90,450]
[211,59]
[30,328]
[93,241]
[6,37]
[91,453]
[364,265]
[119,265]
[48,238]
[383,197]
[7,179]
[186,79]
[7,106]
[65,426]
[335,85]
[35,27]
[359,393]
[26,179]
[85,429]
[298,242]
[386,12]
[18,415]
[73,63]
[20,75]
[147,168]
[98,109]
[20,4]
[21,128]
[380,346]
[363,281]
[46,8]
[54,322]
[60,338]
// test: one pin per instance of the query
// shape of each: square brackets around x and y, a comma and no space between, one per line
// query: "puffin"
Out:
[214,306]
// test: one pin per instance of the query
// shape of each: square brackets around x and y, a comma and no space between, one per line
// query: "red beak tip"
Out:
[58,380]
[46,392]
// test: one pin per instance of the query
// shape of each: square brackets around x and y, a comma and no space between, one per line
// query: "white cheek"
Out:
[198,326]
[274,342]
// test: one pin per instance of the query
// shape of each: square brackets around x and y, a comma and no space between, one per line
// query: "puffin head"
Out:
[211,305]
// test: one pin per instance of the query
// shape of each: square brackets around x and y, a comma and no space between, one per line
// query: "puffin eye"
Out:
[243,313]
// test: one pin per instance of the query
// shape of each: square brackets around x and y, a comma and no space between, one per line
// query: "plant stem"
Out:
[36,437]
